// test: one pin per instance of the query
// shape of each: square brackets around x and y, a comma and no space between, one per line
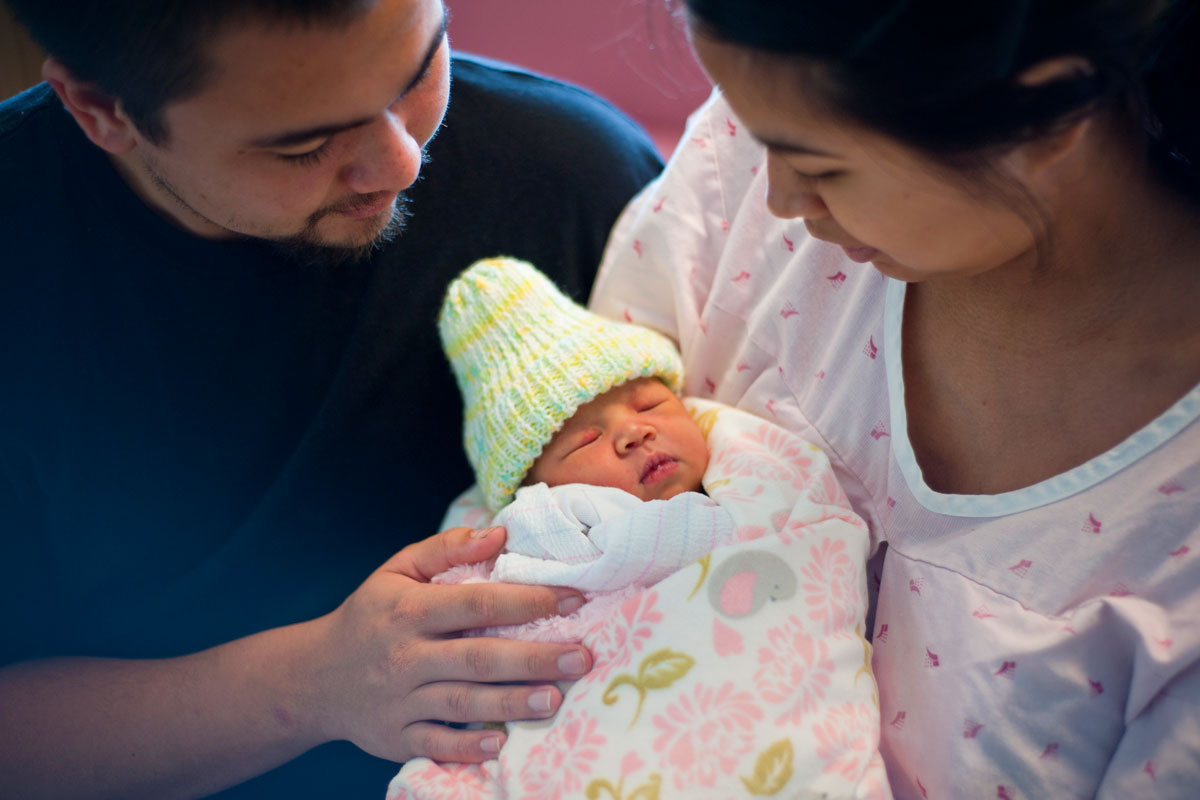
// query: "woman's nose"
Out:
[388,160]
[791,195]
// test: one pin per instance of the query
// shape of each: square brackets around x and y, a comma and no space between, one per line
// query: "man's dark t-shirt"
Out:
[200,440]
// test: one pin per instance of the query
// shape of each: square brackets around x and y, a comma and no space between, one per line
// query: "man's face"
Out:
[305,136]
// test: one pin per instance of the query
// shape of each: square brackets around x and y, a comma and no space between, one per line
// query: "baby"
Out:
[578,417]
[636,436]
[725,628]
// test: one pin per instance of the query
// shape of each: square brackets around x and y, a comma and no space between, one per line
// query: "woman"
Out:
[1010,395]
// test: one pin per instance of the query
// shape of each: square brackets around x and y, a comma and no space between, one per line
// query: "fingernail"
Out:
[491,744]
[570,604]
[571,663]
[540,701]
[482,533]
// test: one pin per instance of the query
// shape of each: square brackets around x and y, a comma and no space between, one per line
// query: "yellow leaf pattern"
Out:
[706,420]
[705,562]
[865,669]
[647,791]
[772,769]
[663,667]
[658,670]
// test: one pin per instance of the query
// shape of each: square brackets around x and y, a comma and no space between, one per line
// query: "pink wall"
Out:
[631,52]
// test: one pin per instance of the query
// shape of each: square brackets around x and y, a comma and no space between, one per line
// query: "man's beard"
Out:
[306,249]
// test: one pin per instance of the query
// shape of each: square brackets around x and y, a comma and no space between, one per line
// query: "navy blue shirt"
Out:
[200,439]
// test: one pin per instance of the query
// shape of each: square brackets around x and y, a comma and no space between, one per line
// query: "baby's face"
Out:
[637,437]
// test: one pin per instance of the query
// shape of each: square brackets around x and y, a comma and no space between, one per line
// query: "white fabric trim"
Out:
[1184,412]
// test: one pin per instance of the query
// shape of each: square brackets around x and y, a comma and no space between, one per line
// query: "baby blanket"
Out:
[743,674]
[597,538]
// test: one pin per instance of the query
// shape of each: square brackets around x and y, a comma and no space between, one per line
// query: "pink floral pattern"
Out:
[831,586]
[448,782]
[773,454]
[703,734]
[748,533]
[794,671]
[559,765]
[846,738]
[615,643]
[825,490]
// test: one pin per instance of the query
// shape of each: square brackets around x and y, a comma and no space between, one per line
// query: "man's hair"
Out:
[148,53]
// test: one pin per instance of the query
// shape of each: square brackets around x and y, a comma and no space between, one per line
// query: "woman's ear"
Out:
[1050,150]
[1056,69]
[99,115]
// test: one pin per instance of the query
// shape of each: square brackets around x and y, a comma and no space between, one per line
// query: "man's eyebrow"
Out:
[308,134]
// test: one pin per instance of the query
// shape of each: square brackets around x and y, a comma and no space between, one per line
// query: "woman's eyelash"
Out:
[306,159]
[833,173]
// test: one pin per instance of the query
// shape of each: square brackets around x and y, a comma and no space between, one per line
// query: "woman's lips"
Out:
[657,468]
[860,255]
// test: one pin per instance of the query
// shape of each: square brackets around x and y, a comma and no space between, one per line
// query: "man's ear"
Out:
[1048,151]
[99,115]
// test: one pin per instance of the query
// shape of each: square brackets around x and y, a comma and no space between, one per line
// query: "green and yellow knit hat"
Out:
[526,358]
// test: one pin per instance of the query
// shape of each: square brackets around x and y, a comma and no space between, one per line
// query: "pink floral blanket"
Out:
[744,674]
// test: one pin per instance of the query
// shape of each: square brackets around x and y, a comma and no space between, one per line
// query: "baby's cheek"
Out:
[538,473]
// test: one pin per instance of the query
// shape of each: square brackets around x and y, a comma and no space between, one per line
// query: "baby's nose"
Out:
[633,435]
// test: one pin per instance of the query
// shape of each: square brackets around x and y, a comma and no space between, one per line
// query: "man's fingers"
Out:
[451,608]
[460,701]
[426,558]
[462,607]
[443,743]
[486,660]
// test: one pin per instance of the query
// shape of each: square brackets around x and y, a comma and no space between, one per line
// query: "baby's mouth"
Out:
[657,467]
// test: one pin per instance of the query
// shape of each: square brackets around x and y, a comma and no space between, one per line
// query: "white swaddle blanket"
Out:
[596,538]
[743,673]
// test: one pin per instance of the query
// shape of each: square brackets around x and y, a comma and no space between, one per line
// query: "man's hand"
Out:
[380,671]
[393,666]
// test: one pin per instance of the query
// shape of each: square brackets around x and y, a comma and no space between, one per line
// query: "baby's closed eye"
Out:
[582,439]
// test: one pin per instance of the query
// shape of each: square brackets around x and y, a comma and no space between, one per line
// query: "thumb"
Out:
[428,557]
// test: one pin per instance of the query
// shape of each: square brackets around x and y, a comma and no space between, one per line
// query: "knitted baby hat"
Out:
[526,357]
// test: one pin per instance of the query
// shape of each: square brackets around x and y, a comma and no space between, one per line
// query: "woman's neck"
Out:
[1030,369]
[1121,261]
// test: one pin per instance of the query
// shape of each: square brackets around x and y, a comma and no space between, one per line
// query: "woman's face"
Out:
[881,201]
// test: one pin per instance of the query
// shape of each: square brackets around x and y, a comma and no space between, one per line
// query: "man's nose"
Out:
[388,159]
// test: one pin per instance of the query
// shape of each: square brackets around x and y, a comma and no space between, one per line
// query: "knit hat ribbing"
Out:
[526,357]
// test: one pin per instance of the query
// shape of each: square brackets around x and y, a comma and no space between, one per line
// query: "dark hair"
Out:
[941,75]
[148,53]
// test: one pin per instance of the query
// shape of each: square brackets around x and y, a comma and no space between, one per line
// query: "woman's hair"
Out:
[942,75]
[148,54]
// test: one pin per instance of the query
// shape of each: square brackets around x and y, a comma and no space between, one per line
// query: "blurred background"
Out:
[20,59]
[632,52]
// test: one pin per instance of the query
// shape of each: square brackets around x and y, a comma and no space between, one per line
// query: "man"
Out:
[224,402]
